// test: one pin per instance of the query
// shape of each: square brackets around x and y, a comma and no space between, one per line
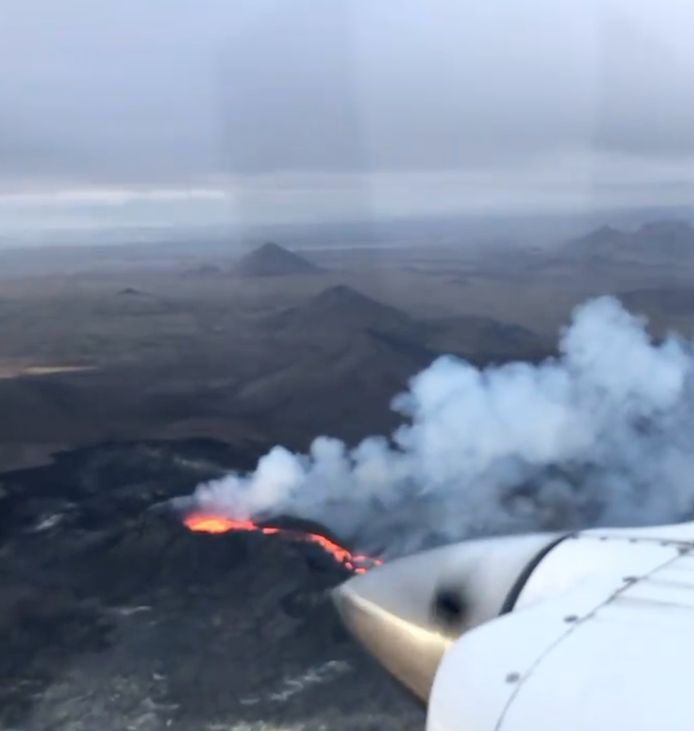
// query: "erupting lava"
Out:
[357,563]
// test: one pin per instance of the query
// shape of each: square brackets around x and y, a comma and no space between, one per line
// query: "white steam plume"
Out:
[602,434]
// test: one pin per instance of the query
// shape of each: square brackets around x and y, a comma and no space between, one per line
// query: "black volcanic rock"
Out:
[134,622]
[271,260]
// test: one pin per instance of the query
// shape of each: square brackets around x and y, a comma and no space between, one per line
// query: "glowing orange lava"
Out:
[216,524]
[204,523]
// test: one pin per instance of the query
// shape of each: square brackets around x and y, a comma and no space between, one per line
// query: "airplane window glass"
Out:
[294,289]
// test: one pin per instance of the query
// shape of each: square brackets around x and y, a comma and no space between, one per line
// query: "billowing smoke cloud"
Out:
[602,434]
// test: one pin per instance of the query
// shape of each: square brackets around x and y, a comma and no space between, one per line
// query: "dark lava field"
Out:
[114,616]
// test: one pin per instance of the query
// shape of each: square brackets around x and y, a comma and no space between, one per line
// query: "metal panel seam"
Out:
[552,646]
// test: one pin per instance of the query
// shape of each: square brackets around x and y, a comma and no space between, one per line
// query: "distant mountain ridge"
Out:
[272,260]
[665,239]
[342,309]
[342,313]
[357,353]
[671,301]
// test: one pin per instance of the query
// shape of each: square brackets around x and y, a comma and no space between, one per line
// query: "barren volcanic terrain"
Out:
[128,380]
[114,615]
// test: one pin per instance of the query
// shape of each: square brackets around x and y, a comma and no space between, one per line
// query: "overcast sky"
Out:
[207,111]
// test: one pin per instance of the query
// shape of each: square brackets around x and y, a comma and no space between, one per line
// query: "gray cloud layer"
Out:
[213,94]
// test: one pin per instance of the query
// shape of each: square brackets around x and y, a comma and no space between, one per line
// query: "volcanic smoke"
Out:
[601,434]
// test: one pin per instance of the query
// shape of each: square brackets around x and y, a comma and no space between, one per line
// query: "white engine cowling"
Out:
[586,632]
[408,611]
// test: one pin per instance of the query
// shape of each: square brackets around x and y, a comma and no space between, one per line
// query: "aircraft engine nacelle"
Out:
[586,631]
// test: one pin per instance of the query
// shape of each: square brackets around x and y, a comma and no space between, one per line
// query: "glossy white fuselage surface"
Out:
[600,639]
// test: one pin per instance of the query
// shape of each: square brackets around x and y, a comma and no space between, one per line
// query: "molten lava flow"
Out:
[216,524]
[358,563]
